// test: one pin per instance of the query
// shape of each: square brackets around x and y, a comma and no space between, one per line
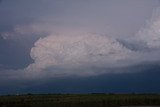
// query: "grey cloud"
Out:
[114,17]
[150,34]
[147,38]
[135,45]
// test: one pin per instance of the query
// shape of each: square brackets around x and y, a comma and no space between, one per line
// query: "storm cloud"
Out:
[70,41]
[76,52]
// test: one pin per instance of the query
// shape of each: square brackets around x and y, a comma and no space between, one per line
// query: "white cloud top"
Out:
[75,51]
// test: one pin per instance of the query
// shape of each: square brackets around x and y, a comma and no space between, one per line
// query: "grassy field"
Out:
[79,100]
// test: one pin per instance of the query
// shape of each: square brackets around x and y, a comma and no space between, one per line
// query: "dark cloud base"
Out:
[146,81]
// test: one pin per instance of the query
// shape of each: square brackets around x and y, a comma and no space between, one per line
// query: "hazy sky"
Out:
[101,45]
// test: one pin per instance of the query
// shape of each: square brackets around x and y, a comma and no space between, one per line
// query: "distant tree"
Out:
[29,94]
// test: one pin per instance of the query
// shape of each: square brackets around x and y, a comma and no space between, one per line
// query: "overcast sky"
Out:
[111,44]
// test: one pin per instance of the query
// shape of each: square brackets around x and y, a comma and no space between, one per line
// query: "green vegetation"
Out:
[79,100]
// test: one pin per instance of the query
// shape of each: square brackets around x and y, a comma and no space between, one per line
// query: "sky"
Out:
[79,46]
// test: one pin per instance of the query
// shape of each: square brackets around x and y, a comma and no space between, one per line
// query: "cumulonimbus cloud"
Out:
[89,54]
[76,52]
